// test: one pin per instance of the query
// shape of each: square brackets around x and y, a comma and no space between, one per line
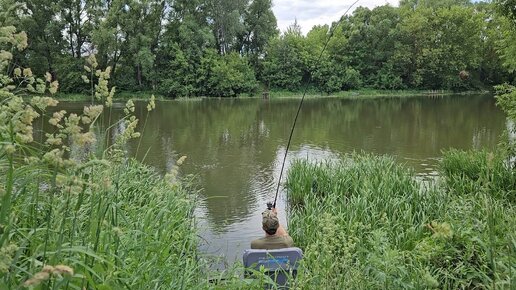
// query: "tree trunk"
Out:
[139,74]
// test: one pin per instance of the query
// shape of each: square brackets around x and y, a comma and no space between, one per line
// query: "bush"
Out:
[68,72]
[352,79]
[230,75]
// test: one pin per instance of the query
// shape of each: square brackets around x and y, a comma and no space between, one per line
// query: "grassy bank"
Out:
[352,94]
[365,223]
[109,226]
[369,93]
[120,96]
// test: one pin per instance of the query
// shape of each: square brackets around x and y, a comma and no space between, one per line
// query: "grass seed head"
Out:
[180,161]
[54,86]
[48,268]
[85,79]
[43,102]
[9,149]
[93,111]
[152,104]
[129,107]
[27,72]
[37,279]
[57,117]
[63,270]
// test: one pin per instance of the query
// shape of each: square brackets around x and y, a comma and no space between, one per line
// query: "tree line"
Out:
[229,47]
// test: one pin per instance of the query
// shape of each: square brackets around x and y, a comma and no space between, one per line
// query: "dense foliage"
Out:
[224,48]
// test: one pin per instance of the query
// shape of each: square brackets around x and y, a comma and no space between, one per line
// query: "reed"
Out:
[365,223]
[464,172]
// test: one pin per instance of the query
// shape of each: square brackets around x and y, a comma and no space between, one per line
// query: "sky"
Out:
[313,12]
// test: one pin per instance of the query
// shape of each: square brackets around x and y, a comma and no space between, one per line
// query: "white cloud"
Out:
[313,12]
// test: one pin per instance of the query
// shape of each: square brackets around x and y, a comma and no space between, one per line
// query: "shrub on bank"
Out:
[365,223]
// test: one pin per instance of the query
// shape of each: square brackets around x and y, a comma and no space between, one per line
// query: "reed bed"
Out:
[121,226]
[366,223]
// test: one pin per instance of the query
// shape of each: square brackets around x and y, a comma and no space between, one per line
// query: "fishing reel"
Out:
[269,205]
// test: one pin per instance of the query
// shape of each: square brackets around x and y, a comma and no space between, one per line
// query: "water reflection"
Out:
[235,146]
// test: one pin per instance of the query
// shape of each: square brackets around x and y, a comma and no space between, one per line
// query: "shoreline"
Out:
[351,95]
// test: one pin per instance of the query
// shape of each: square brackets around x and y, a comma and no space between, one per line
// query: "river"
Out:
[234,147]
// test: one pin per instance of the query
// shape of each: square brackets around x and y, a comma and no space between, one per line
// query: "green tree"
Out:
[416,4]
[78,18]
[507,8]
[260,26]
[373,41]
[326,74]
[186,39]
[108,36]
[506,94]
[284,65]
[143,31]
[45,36]
[227,22]
[491,70]
[444,41]
[507,45]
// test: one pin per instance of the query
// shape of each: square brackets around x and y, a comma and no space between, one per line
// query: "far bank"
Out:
[275,94]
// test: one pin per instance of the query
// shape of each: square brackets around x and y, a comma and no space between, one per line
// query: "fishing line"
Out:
[332,31]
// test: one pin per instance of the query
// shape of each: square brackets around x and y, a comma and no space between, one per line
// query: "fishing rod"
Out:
[271,205]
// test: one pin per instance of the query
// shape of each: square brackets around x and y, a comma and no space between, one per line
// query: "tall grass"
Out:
[365,223]
[465,172]
[122,227]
